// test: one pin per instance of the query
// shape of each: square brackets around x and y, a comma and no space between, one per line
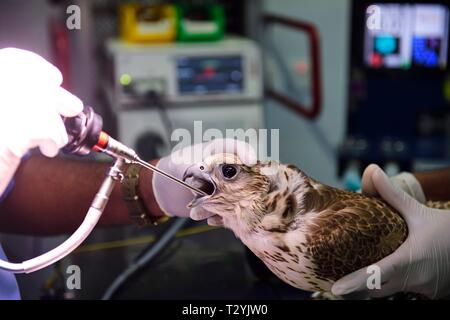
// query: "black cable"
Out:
[144,260]
[148,254]
[155,99]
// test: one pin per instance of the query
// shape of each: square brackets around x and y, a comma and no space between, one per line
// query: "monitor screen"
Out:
[215,74]
[406,36]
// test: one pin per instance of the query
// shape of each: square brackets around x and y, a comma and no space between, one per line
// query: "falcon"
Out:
[307,233]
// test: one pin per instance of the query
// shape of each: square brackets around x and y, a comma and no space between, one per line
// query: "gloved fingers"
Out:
[353,282]
[48,148]
[198,213]
[26,66]
[66,103]
[409,183]
[245,152]
[215,221]
[400,200]
[362,279]
[367,183]
[54,137]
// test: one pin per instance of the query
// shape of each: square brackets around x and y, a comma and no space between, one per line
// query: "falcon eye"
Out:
[229,171]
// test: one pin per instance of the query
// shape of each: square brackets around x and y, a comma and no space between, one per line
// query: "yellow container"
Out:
[147,23]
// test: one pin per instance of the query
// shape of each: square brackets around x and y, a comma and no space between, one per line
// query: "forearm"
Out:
[52,196]
[435,184]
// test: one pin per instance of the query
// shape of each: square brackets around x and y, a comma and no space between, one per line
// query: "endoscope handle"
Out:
[83,130]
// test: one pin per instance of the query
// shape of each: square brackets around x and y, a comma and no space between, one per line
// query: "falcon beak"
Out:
[198,178]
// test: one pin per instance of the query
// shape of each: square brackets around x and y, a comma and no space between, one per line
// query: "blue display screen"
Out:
[426,51]
[214,74]
[406,36]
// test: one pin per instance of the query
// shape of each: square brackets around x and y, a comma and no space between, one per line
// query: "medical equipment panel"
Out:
[406,35]
[398,96]
[226,70]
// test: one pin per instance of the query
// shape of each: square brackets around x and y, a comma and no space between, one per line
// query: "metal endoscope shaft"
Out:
[85,134]
[165,174]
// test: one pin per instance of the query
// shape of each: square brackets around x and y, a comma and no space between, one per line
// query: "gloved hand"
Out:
[31,104]
[405,181]
[173,198]
[421,264]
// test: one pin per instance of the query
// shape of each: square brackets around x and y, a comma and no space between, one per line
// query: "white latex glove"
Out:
[173,198]
[31,104]
[405,180]
[422,263]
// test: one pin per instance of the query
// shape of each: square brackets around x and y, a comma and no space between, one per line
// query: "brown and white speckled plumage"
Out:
[307,233]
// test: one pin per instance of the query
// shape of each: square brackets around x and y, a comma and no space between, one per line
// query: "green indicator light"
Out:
[125,79]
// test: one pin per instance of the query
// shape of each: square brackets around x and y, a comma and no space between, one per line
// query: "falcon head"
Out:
[233,188]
